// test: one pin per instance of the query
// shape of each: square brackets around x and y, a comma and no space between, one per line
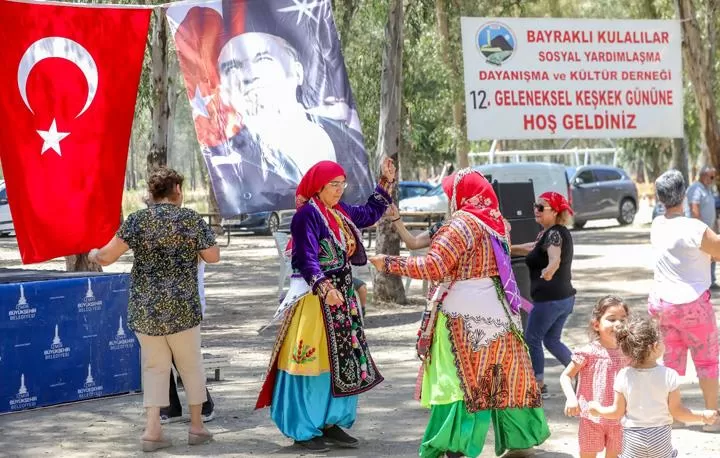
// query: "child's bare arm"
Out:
[682,413]
[571,403]
[613,412]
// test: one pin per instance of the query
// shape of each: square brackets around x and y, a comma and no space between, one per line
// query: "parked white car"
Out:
[6,224]
[434,200]
[545,177]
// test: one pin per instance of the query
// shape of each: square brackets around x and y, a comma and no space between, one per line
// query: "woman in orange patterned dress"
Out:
[476,365]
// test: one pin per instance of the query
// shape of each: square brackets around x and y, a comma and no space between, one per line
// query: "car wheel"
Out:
[627,212]
[579,224]
[273,224]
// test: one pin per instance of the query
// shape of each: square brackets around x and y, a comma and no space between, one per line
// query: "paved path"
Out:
[241,298]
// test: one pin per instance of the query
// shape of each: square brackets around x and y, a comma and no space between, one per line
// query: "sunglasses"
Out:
[540,207]
[338,184]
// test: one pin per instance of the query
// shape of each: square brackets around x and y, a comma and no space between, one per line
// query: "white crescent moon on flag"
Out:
[62,48]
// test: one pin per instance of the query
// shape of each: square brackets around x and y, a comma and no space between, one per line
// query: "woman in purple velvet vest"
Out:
[321,361]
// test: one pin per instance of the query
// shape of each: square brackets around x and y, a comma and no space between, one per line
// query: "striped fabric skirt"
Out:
[655,442]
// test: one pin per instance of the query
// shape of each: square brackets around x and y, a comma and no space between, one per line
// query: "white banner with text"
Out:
[538,78]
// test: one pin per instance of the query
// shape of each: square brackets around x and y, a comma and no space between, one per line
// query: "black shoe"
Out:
[544,392]
[714,287]
[454,454]
[316,444]
[339,437]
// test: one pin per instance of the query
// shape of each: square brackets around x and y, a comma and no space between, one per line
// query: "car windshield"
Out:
[436,191]
[411,191]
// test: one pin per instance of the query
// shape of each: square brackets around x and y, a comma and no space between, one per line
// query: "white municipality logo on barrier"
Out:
[89,389]
[89,303]
[57,350]
[23,310]
[121,340]
[23,400]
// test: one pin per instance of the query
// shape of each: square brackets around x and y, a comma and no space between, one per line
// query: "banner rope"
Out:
[112,5]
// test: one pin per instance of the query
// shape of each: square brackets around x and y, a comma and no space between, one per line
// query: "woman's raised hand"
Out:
[387,169]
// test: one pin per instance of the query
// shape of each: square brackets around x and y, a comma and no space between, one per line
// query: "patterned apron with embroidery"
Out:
[351,366]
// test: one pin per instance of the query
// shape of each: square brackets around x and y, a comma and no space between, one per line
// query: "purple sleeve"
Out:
[305,234]
[368,214]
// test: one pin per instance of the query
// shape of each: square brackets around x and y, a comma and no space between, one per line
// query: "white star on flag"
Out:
[199,104]
[51,138]
[303,7]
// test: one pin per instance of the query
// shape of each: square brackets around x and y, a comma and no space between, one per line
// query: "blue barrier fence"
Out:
[65,340]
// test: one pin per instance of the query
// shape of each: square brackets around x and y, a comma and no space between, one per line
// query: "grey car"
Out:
[602,192]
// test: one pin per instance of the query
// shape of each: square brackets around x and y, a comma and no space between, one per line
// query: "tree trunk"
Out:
[133,168]
[81,263]
[389,288]
[193,174]
[214,209]
[160,107]
[452,59]
[680,157]
[698,63]
[129,167]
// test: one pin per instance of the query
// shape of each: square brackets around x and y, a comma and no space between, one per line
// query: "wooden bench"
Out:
[214,220]
[215,363]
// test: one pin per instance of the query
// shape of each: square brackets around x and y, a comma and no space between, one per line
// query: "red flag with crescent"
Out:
[69,79]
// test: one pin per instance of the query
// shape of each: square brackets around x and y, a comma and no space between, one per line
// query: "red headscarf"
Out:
[468,190]
[557,202]
[312,182]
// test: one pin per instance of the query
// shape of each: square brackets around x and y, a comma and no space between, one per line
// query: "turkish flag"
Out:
[69,77]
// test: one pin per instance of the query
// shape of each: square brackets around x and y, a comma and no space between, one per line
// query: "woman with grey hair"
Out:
[680,298]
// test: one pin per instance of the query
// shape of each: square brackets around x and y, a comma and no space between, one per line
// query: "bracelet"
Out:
[395,220]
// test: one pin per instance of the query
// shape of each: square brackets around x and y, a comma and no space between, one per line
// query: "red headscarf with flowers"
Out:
[312,182]
[469,191]
[557,202]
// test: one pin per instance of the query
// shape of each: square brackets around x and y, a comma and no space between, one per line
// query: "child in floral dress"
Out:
[596,365]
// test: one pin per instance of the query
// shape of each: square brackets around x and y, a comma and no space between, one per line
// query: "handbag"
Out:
[427,326]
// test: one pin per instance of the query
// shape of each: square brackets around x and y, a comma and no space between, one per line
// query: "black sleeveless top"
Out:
[560,286]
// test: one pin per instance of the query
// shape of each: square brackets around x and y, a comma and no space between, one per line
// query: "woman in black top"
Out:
[549,260]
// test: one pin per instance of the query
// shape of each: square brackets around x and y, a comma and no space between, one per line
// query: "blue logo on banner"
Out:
[23,398]
[496,42]
[22,310]
[57,349]
[89,302]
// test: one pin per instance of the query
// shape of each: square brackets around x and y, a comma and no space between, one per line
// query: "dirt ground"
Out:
[242,296]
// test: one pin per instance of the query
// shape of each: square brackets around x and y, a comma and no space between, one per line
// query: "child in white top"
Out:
[647,397]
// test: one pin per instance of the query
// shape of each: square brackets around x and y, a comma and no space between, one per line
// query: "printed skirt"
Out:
[479,372]
[302,400]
